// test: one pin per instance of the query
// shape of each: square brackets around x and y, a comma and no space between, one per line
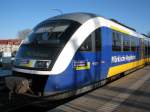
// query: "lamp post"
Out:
[58,10]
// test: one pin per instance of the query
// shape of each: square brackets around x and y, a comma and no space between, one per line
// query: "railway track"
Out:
[35,106]
[17,105]
[2,85]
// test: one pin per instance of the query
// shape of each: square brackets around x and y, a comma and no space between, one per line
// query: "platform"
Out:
[128,94]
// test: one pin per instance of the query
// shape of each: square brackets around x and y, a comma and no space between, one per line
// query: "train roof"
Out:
[81,18]
[78,17]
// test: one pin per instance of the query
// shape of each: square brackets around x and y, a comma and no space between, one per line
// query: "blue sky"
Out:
[17,15]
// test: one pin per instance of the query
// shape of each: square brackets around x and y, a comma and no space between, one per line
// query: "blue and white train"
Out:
[73,53]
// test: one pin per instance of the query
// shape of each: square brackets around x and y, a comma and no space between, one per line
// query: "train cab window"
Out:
[133,45]
[116,41]
[126,43]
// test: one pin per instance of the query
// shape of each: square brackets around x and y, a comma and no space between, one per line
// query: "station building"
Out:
[9,45]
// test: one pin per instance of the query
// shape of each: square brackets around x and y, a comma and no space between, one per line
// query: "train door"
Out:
[142,50]
[147,44]
[149,52]
[145,50]
[87,60]
[96,63]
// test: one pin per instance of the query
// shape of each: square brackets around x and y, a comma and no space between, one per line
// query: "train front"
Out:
[36,57]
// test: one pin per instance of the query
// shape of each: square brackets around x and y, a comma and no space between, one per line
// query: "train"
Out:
[74,53]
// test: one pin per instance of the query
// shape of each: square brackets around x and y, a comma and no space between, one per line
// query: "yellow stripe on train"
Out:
[120,30]
[121,68]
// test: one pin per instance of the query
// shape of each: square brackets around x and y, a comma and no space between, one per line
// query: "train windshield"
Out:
[47,40]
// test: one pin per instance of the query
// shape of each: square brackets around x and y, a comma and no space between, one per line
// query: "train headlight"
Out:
[42,64]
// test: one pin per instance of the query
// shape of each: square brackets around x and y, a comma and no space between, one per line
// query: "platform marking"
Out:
[116,101]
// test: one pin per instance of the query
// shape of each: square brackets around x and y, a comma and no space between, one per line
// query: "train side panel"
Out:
[106,52]
[84,69]
[122,61]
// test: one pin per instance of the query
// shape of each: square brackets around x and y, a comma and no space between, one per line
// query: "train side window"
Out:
[93,42]
[87,44]
[149,48]
[146,48]
[126,43]
[116,41]
[133,45]
[138,46]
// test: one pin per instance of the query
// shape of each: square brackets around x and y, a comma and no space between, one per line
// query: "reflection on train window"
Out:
[126,43]
[116,41]
[133,45]
[51,34]
[93,42]
[146,48]
[149,48]
[87,45]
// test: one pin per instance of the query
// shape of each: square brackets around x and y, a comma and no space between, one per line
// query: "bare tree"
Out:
[24,33]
